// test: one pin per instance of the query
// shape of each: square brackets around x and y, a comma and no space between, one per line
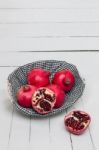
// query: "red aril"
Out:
[38,77]
[24,95]
[65,79]
[77,122]
[59,93]
[43,100]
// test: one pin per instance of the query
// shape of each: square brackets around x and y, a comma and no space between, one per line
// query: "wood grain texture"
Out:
[55,25]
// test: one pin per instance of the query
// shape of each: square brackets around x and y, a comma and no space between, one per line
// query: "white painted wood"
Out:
[49,4]
[20,132]
[80,59]
[47,30]
[38,44]
[59,138]
[6,110]
[39,138]
[43,15]
[85,138]
[35,25]
[51,131]
[5,119]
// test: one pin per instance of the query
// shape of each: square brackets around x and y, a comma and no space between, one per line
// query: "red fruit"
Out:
[59,93]
[24,95]
[38,77]
[65,79]
[43,100]
[77,122]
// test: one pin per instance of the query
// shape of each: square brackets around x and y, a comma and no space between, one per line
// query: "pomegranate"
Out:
[59,93]
[24,95]
[43,100]
[65,79]
[77,122]
[38,77]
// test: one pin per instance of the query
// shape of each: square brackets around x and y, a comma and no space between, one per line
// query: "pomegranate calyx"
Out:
[67,81]
[26,88]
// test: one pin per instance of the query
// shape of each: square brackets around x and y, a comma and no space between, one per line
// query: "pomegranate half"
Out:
[43,100]
[77,121]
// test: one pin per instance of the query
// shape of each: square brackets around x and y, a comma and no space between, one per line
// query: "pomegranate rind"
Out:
[38,77]
[24,96]
[36,104]
[70,129]
[60,95]
[60,78]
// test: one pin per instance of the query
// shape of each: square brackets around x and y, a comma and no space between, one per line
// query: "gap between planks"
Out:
[46,8]
[50,51]
[51,22]
[91,139]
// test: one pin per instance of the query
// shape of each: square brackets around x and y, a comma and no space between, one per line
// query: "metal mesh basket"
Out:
[19,77]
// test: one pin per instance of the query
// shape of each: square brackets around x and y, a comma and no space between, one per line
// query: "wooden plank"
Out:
[17,59]
[61,15]
[83,141]
[59,138]
[87,63]
[39,134]
[48,30]
[49,4]
[5,120]
[6,110]
[38,44]
[19,138]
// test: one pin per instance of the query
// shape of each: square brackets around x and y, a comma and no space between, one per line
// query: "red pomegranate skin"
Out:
[65,79]
[77,127]
[38,77]
[24,95]
[59,93]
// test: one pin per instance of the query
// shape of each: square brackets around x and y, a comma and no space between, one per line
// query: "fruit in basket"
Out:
[43,100]
[38,77]
[59,93]
[24,95]
[65,79]
[77,122]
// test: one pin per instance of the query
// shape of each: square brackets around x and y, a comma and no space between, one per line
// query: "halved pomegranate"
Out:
[43,100]
[65,79]
[24,95]
[77,122]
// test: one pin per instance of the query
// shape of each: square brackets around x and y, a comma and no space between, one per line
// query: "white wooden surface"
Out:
[20,132]
[33,30]
[35,25]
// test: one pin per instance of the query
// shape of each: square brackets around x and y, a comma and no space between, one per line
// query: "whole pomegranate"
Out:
[43,100]
[38,77]
[65,79]
[24,95]
[59,93]
[77,122]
